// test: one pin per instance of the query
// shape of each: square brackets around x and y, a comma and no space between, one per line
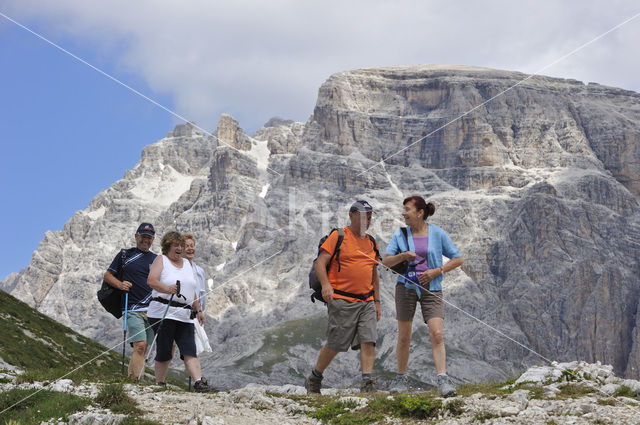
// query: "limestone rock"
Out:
[256,403]
[538,188]
[230,134]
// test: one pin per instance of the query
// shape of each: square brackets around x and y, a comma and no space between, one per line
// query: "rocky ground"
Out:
[565,393]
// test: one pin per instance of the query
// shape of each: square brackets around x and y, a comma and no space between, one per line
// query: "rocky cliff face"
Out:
[538,187]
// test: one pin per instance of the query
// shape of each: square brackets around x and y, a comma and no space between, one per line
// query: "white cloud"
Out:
[257,59]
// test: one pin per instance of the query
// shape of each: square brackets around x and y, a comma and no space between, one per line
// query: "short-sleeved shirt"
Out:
[136,270]
[439,244]
[357,262]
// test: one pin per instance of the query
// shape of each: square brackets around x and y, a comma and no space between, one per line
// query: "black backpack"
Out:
[110,297]
[314,282]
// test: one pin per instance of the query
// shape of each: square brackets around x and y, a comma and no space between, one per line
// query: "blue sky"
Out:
[68,132]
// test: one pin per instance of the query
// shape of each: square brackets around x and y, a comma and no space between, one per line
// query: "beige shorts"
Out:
[406,300]
[350,324]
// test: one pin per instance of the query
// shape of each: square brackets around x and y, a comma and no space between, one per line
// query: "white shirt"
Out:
[170,274]
[198,274]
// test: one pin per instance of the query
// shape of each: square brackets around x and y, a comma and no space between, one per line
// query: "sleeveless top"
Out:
[169,275]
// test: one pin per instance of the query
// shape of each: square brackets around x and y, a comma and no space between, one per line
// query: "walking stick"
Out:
[124,330]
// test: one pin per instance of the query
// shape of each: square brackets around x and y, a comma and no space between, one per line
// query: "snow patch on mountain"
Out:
[260,153]
[96,214]
[162,192]
[264,190]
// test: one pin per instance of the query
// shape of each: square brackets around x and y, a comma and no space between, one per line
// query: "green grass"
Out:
[569,375]
[114,398]
[624,391]
[420,406]
[332,411]
[138,421]
[455,407]
[484,415]
[315,401]
[487,389]
[535,391]
[47,349]
[40,406]
[606,402]
[417,406]
[279,339]
[573,391]
[498,389]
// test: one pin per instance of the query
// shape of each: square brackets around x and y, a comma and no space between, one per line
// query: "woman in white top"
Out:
[190,253]
[202,341]
[178,301]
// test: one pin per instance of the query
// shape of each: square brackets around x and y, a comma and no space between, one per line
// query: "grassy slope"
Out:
[279,340]
[46,349]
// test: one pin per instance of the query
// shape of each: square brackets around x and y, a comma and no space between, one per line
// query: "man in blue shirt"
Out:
[134,273]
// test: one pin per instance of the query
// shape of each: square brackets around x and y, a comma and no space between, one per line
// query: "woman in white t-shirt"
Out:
[177,301]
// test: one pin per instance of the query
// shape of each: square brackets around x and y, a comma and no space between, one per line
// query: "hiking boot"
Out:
[368,386]
[445,387]
[401,384]
[313,384]
[201,386]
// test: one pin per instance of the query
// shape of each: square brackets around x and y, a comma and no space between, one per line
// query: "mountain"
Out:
[534,178]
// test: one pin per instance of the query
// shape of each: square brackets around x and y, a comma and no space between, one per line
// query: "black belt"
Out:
[362,297]
[172,303]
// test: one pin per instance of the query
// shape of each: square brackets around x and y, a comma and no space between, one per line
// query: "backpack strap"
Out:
[123,255]
[336,251]
[375,246]
[406,236]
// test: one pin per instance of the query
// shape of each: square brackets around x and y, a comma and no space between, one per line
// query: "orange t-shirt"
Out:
[356,268]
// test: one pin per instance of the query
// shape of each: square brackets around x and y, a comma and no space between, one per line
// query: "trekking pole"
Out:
[124,328]
[158,331]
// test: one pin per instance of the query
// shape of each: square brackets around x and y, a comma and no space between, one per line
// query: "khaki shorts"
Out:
[406,299]
[350,324]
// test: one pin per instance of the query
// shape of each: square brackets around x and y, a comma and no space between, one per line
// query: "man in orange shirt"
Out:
[351,288]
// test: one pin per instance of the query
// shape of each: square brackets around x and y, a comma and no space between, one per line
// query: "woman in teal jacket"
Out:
[422,248]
